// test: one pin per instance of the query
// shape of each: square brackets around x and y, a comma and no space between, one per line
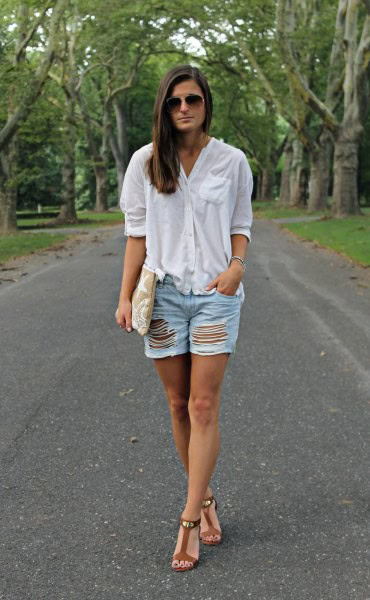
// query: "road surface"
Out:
[87,513]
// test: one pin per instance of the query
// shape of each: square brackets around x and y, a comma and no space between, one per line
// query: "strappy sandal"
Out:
[211,530]
[182,555]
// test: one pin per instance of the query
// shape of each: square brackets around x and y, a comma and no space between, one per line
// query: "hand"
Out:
[228,281]
[124,315]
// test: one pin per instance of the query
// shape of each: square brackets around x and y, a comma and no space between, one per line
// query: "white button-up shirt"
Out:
[188,232]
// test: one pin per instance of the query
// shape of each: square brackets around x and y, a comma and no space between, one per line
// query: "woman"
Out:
[187,203]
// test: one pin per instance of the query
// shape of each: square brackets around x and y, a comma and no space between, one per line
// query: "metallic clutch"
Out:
[143,301]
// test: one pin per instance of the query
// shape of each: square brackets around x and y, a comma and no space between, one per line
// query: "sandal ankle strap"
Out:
[189,524]
[207,502]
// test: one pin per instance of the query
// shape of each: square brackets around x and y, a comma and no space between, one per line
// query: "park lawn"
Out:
[350,236]
[271,210]
[95,220]
[20,244]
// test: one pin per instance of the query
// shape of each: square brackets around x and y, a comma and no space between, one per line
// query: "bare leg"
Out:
[175,373]
[206,379]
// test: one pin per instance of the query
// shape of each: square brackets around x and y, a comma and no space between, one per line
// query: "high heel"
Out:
[182,555]
[211,530]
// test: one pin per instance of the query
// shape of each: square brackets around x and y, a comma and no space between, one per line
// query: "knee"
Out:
[178,406]
[203,409]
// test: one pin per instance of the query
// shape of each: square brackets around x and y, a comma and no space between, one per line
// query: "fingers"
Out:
[128,323]
[213,283]
[124,319]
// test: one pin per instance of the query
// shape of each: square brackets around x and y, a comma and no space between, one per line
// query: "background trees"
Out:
[23,77]
[78,81]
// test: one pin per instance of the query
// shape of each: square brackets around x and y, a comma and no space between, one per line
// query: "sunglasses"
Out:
[173,104]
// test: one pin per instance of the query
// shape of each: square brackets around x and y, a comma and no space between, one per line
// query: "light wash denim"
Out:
[202,324]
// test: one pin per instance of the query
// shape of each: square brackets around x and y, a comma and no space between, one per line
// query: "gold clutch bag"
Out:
[143,301]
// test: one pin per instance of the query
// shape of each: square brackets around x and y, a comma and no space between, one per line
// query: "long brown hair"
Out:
[164,164]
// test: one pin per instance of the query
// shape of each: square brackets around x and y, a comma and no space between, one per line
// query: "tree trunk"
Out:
[259,185]
[356,105]
[297,175]
[99,156]
[284,196]
[119,145]
[267,185]
[319,176]
[8,187]
[68,209]
[101,163]
[121,170]
[345,194]
[101,178]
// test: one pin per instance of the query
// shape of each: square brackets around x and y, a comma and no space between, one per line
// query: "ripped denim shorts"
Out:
[202,324]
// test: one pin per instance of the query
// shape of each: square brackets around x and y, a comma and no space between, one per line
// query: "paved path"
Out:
[87,514]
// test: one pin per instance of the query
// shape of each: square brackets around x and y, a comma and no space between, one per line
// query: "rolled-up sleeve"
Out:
[242,217]
[132,200]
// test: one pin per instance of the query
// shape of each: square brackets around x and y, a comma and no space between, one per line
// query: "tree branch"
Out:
[28,37]
[361,72]
[284,10]
[37,82]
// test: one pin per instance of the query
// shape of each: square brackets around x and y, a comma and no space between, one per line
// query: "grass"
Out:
[20,244]
[87,219]
[271,210]
[350,236]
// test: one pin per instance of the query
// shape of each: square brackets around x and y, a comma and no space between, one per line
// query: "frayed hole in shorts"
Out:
[160,335]
[214,334]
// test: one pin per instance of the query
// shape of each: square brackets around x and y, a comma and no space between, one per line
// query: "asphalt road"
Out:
[88,514]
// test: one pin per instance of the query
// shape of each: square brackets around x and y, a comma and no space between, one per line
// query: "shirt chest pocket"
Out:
[215,190]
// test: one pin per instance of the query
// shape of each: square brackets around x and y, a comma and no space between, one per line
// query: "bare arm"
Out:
[239,245]
[133,261]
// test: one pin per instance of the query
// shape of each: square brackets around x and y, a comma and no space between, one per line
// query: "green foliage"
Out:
[364,169]
[40,160]
[113,37]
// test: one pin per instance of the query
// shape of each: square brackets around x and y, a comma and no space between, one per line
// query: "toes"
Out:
[212,538]
[182,564]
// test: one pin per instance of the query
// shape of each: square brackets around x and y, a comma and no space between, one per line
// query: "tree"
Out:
[20,105]
[347,132]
